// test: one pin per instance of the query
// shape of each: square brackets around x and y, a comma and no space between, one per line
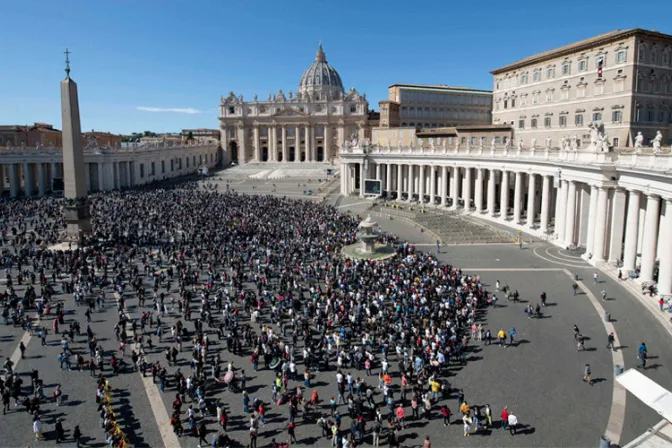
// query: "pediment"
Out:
[289,112]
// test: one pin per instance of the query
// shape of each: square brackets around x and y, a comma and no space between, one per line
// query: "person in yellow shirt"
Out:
[502,337]
[436,388]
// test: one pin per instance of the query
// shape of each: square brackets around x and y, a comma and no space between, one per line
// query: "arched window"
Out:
[411,112]
[419,112]
[403,125]
[404,111]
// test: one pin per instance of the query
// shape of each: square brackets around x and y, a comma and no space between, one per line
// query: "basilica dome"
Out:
[320,77]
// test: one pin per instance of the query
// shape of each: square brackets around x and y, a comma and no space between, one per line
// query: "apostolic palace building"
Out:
[308,126]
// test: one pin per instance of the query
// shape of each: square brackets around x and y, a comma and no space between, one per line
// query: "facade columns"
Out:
[479,190]
[650,237]
[285,157]
[388,183]
[297,144]
[54,170]
[41,179]
[455,185]
[257,144]
[444,184]
[28,179]
[128,175]
[432,184]
[327,144]
[517,197]
[117,175]
[492,186]
[467,189]
[600,224]
[631,231]
[592,213]
[421,181]
[504,202]
[617,222]
[531,196]
[665,268]
[570,214]
[101,177]
[545,202]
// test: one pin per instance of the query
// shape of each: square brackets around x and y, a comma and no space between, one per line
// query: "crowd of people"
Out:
[222,277]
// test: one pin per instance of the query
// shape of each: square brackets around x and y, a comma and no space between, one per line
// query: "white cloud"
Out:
[181,110]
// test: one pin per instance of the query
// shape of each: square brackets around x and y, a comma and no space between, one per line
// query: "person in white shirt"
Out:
[513,423]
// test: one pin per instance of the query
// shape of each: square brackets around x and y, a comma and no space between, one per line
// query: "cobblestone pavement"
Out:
[539,378]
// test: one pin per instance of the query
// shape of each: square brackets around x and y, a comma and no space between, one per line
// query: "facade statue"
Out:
[548,143]
[574,142]
[399,145]
[457,144]
[603,142]
[520,144]
[563,143]
[255,98]
[507,144]
[269,97]
[443,144]
[594,134]
[492,144]
[353,138]
[51,146]
[656,143]
[9,145]
[431,144]
[240,98]
[290,94]
[533,143]
[37,145]
[23,146]
[480,144]
[639,140]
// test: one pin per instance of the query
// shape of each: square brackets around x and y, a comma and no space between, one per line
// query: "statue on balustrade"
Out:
[398,145]
[37,145]
[520,144]
[492,144]
[548,143]
[533,143]
[480,144]
[9,145]
[507,144]
[431,144]
[603,142]
[656,143]
[574,142]
[563,143]
[443,145]
[457,144]
[639,140]
[353,139]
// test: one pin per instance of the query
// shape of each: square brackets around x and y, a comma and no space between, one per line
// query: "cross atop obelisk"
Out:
[76,209]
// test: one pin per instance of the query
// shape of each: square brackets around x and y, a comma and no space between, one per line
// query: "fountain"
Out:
[368,247]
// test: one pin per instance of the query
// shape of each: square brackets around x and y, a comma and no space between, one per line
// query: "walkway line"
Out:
[617,414]
[513,269]
[156,402]
[557,262]
[560,251]
[556,257]
[16,356]
[352,205]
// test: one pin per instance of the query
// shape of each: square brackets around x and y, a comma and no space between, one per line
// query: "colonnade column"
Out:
[117,174]
[517,194]
[570,214]
[592,213]
[28,179]
[327,146]
[479,190]
[455,186]
[631,231]
[432,184]
[361,179]
[13,175]
[400,181]
[467,190]
[650,237]
[421,181]
[492,186]
[388,182]
[41,179]
[545,202]
[560,205]
[531,191]
[665,268]
[600,224]
[504,200]
[444,184]
[101,177]
[617,223]
[410,183]
[128,174]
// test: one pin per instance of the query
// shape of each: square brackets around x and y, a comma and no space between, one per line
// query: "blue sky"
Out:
[182,55]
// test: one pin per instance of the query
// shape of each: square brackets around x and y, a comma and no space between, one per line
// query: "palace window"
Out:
[653,57]
[564,94]
[581,92]
[262,109]
[513,102]
[521,124]
[533,123]
[536,77]
[232,110]
[598,89]
[619,85]
[661,116]
[535,98]
[601,59]
[549,96]
[320,132]
[583,65]
[666,58]
[616,116]
[563,121]
[232,133]
[566,68]
[578,120]
[642,53]
[651,116]
[620,56]
[547,122]
[597,116]
[550,73]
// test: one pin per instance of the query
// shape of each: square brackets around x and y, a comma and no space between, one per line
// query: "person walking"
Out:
[37,427]
[610,341]
[60,432]
[202,432]
[427,443]
[586,375]
[502,337]
[77,435]
[58,395]
[512,334]
[575,287]
[513,423]
[642,355]
[503,423]
[595,278]
[604,295]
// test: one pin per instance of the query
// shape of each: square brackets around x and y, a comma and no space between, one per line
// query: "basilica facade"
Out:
[309,126]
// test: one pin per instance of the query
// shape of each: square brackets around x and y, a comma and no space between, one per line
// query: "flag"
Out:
[599,68]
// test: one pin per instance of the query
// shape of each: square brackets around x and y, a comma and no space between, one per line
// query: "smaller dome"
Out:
[320,76]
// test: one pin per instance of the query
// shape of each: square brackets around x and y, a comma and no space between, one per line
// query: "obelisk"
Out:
[76,208]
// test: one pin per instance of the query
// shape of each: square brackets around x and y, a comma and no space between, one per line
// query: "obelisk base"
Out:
[78,221]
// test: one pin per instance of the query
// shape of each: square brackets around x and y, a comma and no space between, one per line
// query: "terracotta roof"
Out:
[441,87]
[579,46]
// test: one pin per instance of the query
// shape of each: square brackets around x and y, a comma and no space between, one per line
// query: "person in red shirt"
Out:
[505,418]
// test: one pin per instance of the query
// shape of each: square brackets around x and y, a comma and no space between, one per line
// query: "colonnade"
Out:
[626,226]
[34,178]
